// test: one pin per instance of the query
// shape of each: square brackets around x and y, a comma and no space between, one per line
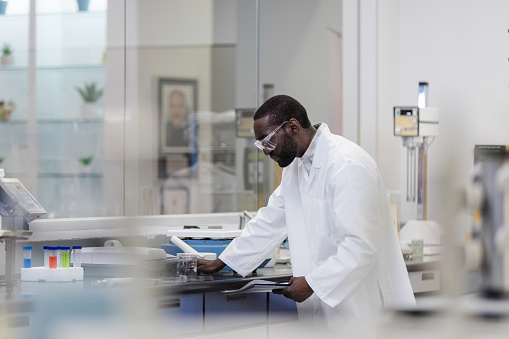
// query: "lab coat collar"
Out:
[323,145]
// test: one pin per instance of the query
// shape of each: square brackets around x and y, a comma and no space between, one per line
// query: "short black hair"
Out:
[281,108]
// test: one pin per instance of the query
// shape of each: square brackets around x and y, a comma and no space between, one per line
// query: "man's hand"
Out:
[298,290]
[209,266]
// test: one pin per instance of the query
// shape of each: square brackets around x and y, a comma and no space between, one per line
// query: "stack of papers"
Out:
[255,286]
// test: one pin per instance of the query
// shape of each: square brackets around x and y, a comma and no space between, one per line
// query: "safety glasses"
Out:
[269,143]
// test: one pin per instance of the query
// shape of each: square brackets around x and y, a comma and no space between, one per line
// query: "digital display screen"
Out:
[22,196]
[407,112]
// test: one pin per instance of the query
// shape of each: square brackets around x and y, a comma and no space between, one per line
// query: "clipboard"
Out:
[259,286]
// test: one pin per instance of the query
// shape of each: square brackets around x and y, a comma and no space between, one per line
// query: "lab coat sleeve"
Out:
[354,194]
[261,235]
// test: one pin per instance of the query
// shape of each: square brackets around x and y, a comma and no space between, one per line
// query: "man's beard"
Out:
[288,151]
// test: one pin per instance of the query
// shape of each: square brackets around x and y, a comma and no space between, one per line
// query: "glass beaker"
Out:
[187,266]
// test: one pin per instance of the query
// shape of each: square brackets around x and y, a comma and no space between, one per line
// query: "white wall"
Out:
[461,48]
[294,51]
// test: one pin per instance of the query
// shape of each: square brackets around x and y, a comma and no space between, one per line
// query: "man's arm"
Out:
[299,290]
[210,266]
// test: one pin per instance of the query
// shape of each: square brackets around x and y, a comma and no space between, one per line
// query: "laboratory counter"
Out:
[422,271]
[200,304]
[222,281]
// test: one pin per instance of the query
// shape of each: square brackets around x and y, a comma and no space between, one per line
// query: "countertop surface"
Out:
[171,285]
[224,280]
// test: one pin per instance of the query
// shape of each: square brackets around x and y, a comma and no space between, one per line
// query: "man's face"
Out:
[286,147]
[177,109]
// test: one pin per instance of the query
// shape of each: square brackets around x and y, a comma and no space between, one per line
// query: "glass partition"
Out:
[145,107]
[182,56]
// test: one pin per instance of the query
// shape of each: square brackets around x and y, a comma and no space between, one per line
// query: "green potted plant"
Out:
[5,110]
[90,94]
[6,59]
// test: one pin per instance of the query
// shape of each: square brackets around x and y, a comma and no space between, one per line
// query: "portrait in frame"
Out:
[178,101]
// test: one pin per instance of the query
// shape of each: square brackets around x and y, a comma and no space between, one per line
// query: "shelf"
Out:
[77,13]
[54,68]
[91,175]
[55,121]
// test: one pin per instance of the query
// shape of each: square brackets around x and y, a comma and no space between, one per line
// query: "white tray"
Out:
[52,274]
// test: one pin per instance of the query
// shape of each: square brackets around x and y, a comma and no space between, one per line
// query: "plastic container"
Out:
[52,257]
[27,256]
[59,256]
[46,256]
[76,251]
[65,253]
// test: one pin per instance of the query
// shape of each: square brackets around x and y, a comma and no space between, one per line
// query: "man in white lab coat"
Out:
[331,204]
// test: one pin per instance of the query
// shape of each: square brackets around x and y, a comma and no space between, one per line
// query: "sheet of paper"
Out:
[256,286]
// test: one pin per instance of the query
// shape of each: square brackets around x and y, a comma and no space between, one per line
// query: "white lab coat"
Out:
[341,234]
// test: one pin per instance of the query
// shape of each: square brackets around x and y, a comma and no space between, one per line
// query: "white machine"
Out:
[114,254]
[416,125]
[17,208]
[488,195]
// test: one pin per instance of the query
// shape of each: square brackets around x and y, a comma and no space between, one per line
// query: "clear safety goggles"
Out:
[269,143]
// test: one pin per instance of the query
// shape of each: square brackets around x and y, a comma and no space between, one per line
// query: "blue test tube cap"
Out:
[27,247]
[65,247]
[46,247]
[77,247]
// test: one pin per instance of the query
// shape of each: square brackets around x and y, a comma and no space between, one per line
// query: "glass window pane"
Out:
[181,107]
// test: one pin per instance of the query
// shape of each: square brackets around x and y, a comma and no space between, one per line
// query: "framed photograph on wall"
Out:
[178,101]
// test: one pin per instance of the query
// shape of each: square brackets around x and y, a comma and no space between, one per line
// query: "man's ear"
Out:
[294,126]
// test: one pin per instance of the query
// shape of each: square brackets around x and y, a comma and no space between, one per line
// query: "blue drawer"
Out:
[183,313]
[223,311]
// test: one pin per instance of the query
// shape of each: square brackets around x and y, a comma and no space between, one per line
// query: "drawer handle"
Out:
[167,304]
[428,276]
[235,297]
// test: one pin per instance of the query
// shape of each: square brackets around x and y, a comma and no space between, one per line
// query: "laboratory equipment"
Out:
[204,240]
[59,256]
[187,266]
[52,257]
[27,256]
[188,249]
[116,281]
[39,274]
[76,256]
[489,194]
[65,256]
[118,255]
[416,124]
[17,209]
[46,256]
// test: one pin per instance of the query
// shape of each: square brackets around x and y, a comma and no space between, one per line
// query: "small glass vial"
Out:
[59,256]
[27,256]
[52,257]
[76,251]
[64,251]
[46,256]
